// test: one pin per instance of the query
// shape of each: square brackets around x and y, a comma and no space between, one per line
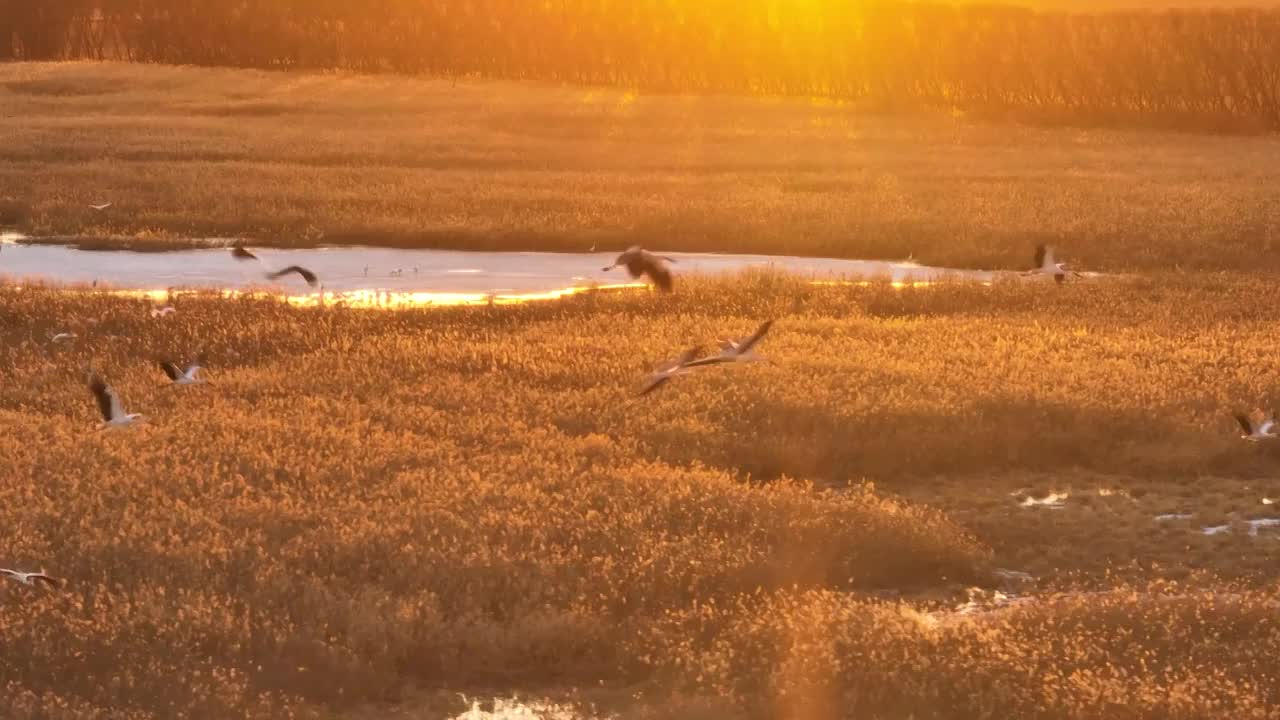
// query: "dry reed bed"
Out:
[1177,68]
[1149,652]
[296,158]
[360,504]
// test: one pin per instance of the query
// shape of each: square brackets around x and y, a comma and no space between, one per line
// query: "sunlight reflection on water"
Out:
[1053,501]
[516,709]
[389,278]
[376,299]
[394,300]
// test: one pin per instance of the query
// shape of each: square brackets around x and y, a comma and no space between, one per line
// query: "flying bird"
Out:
[1045,264]
[669,369]
[61,337]
[30,578]
[640,262]
[736,350]
[302,272]
[1258,427]
[113,414]
[101,207]
[185,376]
[240,252]
[163,311]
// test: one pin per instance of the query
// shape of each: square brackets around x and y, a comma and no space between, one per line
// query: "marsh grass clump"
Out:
[825,654]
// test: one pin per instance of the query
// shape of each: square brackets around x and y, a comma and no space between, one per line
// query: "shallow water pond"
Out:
[390,276]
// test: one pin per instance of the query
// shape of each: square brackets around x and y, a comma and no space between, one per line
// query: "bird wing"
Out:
[192,368]
[306,274]
[682,360]
[661,277]
[654,383]
[170,369]
[117,409]
[1045,256]
[1245,423]
[8,573]
[746,344]
[688,356]
[42,578]
[707,361]
[626,257]
[107,402]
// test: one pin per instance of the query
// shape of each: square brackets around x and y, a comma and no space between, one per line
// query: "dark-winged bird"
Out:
[30,578]
[302,272]
[1257,427]
[182,376]
[1045,264]
[640,262]
[113,414]
[663,374]
[736,350]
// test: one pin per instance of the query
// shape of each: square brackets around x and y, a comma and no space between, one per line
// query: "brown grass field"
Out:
[364,512]
[303,158]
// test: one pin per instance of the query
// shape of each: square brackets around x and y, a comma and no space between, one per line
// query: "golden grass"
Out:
[301,158]
[827,655]
[362,506]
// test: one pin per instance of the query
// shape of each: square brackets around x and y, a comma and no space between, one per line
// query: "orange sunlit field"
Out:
[361,509]
[299,159]
[1006,495]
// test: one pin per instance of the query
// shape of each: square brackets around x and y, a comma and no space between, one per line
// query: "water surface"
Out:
[388,276]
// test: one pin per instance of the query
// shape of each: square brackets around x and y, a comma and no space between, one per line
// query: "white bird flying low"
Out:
[1046,264]
[62,337]
[113,414]
[101,207]
[736,350]
[1258,426]
[640,262]
[668,370]
[185,376]
[157,312]
[302,272]
[30,578]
